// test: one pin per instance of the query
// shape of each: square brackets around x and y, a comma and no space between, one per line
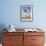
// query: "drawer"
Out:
[37,44]
[20,44]
[37,39]
[13,33]
[8,44]
[16,41]
[34,33]
[12,39]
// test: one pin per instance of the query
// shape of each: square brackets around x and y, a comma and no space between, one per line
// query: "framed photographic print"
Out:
[26,13]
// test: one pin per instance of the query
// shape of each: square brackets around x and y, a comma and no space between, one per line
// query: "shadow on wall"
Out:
[2,26]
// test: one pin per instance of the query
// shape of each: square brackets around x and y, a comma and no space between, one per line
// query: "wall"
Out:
[10,13]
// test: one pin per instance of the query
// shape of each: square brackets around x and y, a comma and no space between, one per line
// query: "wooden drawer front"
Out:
[37,39]
[16,44]
[12,39]
[34,33]
[8,45]
[37,45]
[27,41]
[13,33]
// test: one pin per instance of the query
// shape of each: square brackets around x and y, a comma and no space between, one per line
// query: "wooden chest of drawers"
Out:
[23,39]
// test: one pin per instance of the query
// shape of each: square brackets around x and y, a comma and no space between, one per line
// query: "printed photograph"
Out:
[26,13]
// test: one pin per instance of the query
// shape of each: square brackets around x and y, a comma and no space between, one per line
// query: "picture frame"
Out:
[26,13]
